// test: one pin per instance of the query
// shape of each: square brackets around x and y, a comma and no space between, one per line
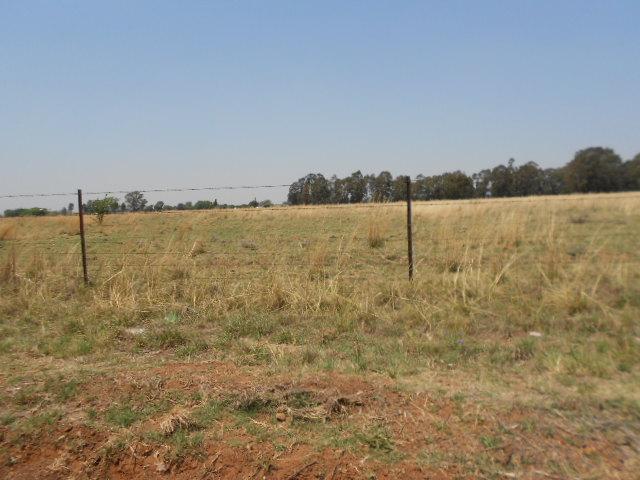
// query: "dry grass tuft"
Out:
[8,270]
[8,231]
[197,248]
[173,422]
[375,236]
[318,259]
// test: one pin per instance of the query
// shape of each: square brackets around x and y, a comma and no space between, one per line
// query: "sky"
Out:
[119,95]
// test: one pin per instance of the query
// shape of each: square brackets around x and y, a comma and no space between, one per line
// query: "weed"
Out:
[169,337]
[184,443]
[376,437]
[205,415]
[255,355]
[253,326]
[490,442]
[525,349]
[7,419]
[45,419]
[61,389]
[122,416]
[27,396]
[192,349]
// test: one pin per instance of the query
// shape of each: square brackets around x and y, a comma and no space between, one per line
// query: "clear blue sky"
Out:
[122,94]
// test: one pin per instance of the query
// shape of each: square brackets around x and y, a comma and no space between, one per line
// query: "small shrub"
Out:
[102,207]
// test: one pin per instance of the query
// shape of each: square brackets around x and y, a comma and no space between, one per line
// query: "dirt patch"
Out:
[213,420]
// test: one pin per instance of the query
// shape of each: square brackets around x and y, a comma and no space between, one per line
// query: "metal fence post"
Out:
[83,244]
[409,229]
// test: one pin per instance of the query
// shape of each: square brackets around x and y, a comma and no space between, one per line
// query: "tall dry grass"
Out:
[487,272]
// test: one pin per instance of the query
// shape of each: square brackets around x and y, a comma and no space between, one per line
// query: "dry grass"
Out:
[375,236]
[291,292]
[8,231]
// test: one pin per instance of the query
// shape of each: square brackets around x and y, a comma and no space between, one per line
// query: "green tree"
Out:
[399,188]
[338,190]
[594,169]
[310,189]
[356,187]
[429,188]
[457,185]
[501,179]
[552,181]
[159,206]
[135,201]
[382,187]
[482,183]
[102,207]
[527,180]
[203,205]
[632,173]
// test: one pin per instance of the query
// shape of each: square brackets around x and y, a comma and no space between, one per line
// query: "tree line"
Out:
[133,202]
[594,169]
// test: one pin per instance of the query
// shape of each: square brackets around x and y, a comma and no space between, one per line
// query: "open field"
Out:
[288,343]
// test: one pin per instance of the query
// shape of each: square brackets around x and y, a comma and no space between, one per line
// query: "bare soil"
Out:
[430,435]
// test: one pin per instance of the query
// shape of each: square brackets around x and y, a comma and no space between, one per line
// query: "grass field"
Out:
[288,343]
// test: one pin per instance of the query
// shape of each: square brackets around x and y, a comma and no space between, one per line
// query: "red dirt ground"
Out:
[422,426]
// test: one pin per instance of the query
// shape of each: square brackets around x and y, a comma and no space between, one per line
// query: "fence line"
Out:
[148,190]
[524,258]
[436,202]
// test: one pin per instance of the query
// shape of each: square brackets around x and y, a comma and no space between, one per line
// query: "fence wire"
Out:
[253,262]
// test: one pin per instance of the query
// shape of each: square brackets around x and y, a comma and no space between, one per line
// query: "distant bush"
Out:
[204,205]
[26,212]
[102,207]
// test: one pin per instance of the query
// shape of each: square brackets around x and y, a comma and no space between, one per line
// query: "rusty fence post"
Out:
[409,229]
[83,244]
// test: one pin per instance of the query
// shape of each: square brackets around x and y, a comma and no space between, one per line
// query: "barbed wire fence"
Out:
[411,259]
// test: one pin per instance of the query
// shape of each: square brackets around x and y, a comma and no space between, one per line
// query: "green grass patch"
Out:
[123,416]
